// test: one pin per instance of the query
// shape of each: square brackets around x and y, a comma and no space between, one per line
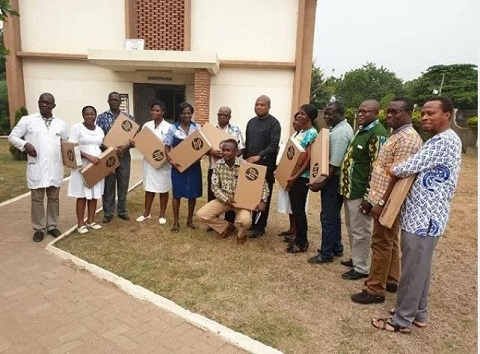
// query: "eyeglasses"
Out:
[223,115]
[394,112]
[364,111]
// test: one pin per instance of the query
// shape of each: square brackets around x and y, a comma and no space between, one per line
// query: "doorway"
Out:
[145,94]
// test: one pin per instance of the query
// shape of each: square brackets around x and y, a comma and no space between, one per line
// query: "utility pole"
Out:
[441,85]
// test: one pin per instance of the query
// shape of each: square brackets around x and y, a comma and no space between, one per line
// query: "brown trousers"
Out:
[385,266]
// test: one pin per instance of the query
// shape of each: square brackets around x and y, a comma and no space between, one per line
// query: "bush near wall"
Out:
[473,124]
[17,154]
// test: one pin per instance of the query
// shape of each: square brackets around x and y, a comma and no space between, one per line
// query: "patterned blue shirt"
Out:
[106,119]
[427,207]
[176,131]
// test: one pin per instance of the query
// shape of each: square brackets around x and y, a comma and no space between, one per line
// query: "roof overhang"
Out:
[146,60]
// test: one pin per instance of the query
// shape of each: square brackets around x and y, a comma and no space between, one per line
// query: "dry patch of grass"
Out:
[279,298]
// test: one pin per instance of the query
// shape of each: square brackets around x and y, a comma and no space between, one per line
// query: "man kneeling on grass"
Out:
[224,183]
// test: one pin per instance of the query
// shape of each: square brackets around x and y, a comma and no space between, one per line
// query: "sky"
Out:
[404,36]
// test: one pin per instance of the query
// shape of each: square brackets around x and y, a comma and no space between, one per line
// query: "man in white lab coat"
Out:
[39,135]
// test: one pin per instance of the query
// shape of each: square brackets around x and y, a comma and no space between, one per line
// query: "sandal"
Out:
[385,324]
[191,225]
[415,322]
[294,248]
[175,228]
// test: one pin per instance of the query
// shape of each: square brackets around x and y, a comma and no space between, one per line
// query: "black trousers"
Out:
[229,215]
[298,198]
[262,222]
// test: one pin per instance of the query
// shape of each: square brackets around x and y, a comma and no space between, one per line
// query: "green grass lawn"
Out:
[12,174]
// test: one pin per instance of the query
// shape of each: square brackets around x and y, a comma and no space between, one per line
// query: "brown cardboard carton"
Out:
[71,154]
[249,185]
[151,147]
[190,150]
[291,160]
[215,136]
[121,131]
[92,174]
[395,201]
[320,157]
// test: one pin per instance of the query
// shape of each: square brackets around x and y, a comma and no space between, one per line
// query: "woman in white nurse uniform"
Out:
[89,137]
[156,180]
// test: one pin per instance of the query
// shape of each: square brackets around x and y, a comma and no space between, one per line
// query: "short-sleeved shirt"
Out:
[340,137]
[106,119]
[175,131]
[305,138]
[234,131]
[358,161]
[426,210]
[403,142]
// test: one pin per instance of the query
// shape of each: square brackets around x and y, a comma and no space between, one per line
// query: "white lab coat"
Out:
[46,169]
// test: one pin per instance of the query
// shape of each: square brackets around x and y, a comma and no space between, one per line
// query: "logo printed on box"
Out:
[197,144]
[315,170]
[110,162]
[127,125]
[158,155]
[290,152]
[70,155]
[251,174]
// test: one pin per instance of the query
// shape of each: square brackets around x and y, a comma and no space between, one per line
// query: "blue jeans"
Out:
[330,218]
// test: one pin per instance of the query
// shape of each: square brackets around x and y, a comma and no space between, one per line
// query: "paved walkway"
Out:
[47,306]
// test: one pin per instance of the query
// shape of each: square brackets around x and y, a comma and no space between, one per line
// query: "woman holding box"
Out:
[186,184]
[156,180]
[89,137]
[297,184]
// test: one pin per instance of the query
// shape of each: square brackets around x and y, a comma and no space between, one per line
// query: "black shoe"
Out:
[318,259]
[256,233]
[352,274]
[124,216]
[54,232]
[338,254]
[209,229]
[366,298]
[348,263]
[38,236]
[107,219]
[392,287]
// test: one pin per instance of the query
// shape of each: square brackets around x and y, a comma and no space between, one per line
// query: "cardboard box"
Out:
[215,136]
[92,174]
[190,150]
[320,157]
[291,160]
[71,154]
[151,147]
[395,201]
[121,131]
[249,185]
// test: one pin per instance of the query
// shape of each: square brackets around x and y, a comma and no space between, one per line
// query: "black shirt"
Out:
[262,138]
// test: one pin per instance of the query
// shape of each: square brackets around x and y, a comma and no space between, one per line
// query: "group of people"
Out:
[363,169]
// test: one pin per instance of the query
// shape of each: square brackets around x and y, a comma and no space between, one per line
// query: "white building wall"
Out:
[71,26]
[239,88]
[245,30]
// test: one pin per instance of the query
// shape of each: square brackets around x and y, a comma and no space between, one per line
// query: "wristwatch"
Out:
[381,202]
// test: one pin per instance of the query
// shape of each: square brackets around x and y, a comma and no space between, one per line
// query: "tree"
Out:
[460,83]
[368,82]
[6,10]
[320,89]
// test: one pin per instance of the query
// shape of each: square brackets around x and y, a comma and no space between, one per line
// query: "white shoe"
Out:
[82,229]
[143,218]
[162,221]
[93,226]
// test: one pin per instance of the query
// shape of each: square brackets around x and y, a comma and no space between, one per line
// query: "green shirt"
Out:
[358,161]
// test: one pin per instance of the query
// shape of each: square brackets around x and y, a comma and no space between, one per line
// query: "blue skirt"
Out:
[187,184]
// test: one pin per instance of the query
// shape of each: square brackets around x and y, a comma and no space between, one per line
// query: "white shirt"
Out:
[46,169]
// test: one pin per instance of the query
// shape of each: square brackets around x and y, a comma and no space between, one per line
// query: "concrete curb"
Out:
[238,339]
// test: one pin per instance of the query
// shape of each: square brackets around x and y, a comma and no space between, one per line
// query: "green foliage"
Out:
[460,83]
[17,154]
[320,89]
[473,124]
[368,82]
[6,10]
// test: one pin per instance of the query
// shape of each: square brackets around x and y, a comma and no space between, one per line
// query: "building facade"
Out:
[207,52]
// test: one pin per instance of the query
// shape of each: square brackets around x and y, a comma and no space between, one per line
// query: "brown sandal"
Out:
[385,324]
[415,322]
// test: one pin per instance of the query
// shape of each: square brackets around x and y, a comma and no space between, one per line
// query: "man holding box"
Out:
[404,141]
[224,182]
[424,213]
[39,135]
[354,185]
[340,136]
[261,147]
[119,180]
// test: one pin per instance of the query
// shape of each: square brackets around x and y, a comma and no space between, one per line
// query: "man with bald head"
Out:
[223,122]
[356,168]
[261,147]
[39,135]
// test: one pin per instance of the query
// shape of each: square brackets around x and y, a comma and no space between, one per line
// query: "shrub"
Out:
[473,124]
[4,125]
[17,154]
